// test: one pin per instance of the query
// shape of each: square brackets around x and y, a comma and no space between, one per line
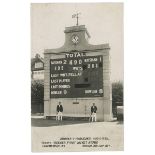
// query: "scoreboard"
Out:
[76,75]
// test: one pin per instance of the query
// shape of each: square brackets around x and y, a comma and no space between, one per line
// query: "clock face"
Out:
[75,39]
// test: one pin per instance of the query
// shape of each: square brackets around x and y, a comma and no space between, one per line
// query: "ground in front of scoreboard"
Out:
[41,122]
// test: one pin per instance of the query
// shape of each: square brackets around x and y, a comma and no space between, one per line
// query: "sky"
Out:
[104,22]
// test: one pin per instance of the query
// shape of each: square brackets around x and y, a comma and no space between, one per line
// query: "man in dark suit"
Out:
[93,112]
[59,112]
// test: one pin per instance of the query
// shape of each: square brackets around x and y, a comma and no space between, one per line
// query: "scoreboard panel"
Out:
[74,77]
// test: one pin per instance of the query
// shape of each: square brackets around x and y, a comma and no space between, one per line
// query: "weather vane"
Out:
[77,17]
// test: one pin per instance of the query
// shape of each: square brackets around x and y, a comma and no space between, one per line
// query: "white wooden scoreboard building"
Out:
[78,75]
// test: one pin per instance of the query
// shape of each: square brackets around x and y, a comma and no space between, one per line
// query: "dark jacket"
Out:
[93,109]
[59,108]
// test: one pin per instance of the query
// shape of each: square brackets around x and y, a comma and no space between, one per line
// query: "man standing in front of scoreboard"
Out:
[59,112]
[93,112]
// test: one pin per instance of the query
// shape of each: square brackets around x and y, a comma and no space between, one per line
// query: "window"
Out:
[38,65]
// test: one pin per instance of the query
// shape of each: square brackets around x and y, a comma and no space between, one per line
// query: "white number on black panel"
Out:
[65,62]
[58,68]
[92,66]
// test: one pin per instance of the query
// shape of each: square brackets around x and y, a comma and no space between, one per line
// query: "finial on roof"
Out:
[77,17]
[37,56]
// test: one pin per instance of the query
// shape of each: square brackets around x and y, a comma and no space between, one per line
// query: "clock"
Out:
[75,39]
